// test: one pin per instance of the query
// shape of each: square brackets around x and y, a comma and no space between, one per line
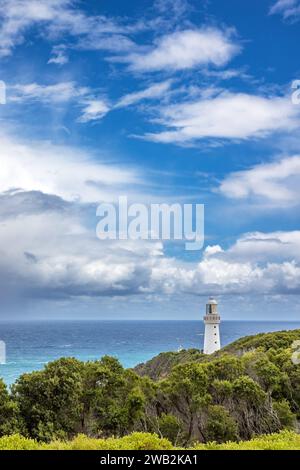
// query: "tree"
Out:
[220,427]
[113,398]
[253,408]
[261,369]
[185,394]
[50,401]
[221,391]
[247,390]
[226,367]
[170,427]
[286,417]
[9,413]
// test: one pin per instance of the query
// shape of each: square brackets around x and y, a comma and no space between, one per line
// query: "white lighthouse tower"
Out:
[212,332]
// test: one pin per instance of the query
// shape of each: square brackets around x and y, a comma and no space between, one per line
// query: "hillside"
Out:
[161,365]
[264,341]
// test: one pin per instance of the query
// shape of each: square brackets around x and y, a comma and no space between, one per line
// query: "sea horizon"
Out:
[142,320]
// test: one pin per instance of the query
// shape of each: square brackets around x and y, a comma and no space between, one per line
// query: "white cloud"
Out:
[258,263]
[185,50]
[74,263]
[177,7]
[290,9]
[54,18]
[259,247]
[102,41]
[63,171]
[94,110]
[276,182]
[58,92]
[212,250]
[226,116]
[228,74]
[59,55]
[20,15]
[154,91]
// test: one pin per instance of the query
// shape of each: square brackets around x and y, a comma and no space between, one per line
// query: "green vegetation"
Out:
[249,391]
[285,440]
[160,366]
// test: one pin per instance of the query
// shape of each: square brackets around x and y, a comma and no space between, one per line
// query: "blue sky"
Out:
[163,101]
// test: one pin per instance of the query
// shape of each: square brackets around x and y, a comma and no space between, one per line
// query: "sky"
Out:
[164,102]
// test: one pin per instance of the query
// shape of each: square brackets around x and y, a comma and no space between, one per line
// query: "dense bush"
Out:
[9,413]
[284,440]
[70,397]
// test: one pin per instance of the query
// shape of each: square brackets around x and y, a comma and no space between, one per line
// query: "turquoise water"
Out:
[31,345]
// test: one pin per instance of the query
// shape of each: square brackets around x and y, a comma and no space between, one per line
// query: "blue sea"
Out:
[30,345]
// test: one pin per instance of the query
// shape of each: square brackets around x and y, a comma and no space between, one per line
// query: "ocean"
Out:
[30,345]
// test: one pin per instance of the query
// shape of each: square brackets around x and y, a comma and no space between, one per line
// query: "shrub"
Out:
[285,440]
[17,442]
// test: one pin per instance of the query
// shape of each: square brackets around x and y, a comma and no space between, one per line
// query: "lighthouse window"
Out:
[215,342]
[215,327]
[210,309]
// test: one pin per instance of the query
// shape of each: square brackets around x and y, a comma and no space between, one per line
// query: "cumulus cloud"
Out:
[14,203]
[59,170]
[185,49]
[51,253]
[260,247]
[277,182]
[226,116]
[258,263]
[48,251]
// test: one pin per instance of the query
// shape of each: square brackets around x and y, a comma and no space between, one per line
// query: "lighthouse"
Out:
[212,332]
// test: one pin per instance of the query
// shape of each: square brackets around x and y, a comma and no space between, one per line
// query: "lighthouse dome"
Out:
[212,301]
